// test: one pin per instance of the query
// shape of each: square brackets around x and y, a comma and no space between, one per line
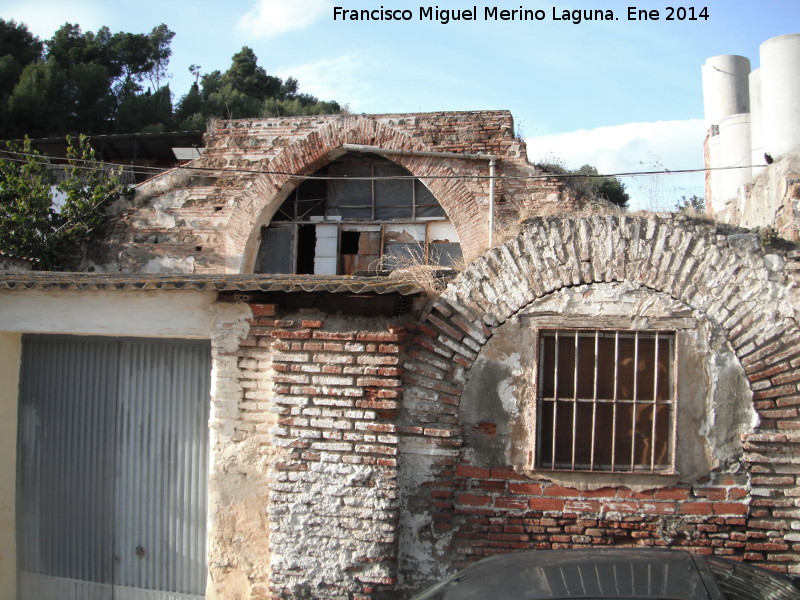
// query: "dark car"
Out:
[629,573]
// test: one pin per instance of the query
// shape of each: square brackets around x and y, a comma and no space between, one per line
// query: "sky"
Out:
[622,94]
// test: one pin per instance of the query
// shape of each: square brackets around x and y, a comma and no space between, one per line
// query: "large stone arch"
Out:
[745,291]
[267,191]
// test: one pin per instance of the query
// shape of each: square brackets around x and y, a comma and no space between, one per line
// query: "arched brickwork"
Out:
[728,278]
[266,192]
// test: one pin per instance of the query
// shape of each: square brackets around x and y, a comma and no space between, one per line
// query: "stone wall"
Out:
[206,217]
[468,486]
[770,201]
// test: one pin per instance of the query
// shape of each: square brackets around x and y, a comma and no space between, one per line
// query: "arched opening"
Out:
[359,214]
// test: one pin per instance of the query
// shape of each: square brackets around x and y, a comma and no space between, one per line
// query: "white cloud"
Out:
[44,17]
[633,148]
[342,78]
[270,18]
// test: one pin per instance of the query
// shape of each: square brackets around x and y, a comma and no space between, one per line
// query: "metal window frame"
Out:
[616,466]
[414,204]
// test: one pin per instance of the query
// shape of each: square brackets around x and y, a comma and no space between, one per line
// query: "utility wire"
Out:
[142,170]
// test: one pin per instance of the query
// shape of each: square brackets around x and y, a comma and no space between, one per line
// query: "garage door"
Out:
[113,463]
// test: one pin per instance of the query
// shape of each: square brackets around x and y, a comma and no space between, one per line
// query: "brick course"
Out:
[208,219]
[749,515]
[334,477]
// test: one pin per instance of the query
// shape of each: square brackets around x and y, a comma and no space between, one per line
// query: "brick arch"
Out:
[265,193]
[724,277]
[689,262]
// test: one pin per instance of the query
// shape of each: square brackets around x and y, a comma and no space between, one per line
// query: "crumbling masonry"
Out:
[366,440]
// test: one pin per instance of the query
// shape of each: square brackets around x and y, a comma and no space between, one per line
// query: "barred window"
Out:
[606,401]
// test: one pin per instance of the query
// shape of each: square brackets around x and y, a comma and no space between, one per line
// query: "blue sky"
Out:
[622,95]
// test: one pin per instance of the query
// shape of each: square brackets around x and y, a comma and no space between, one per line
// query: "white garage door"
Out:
[113,463]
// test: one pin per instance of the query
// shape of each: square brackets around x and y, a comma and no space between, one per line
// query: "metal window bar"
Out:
[555,405]
[575,402]
[635,399]
[615,398]
[655,405]
[594,399]
[634,402]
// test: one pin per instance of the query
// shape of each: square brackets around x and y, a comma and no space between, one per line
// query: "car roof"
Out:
[589,574]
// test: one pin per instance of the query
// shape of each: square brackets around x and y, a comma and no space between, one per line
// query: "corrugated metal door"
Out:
[113,468]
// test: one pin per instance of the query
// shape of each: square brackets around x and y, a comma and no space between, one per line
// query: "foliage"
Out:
[32,225]
[589,185]
[18,48]
[102,82]
[693,206]
[768,236]
[245,90]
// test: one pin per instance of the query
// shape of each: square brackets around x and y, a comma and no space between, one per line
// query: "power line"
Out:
[143,170]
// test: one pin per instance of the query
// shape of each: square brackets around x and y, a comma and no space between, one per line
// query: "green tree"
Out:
[694,205]
[47,233]
[159,42]
[587,184]
[85,81]
[244,91]
[145,113]
[26,206]
[594,186]
[18,48]
[102,82]
[189,111]
[36,107]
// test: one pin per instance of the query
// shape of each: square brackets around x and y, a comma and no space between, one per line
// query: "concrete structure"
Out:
[754,121]
[365,439]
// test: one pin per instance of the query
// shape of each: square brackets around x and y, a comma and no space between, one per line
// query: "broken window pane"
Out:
[360,191]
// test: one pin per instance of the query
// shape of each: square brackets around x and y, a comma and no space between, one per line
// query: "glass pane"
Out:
[427,204]
[397,256]
[393,197]
[445,254]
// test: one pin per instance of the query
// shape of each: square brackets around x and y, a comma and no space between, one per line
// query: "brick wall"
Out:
[328,390]
[345,465]
[207,218]
[745,509]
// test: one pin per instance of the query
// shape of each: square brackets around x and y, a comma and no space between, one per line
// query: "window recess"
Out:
[606,401]
[363,213]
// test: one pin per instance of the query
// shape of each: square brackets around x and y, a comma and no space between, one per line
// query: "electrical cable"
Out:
[153,171]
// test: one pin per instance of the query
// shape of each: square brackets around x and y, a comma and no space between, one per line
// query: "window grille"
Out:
[606,401]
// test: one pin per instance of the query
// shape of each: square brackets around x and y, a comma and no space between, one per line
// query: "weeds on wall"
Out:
[410,266]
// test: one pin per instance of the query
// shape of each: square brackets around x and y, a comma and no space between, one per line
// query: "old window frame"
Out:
[372,173]
[549,456]
[314,203]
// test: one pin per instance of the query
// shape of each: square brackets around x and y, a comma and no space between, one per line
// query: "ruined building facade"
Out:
[307,423]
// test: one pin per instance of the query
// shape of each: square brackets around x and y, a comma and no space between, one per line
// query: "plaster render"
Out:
[498,404]
[181,314]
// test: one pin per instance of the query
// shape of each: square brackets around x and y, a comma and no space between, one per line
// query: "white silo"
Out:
[735,149]
[715,203]
[780,94]
[725,87]
[726,100]
[756,126]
